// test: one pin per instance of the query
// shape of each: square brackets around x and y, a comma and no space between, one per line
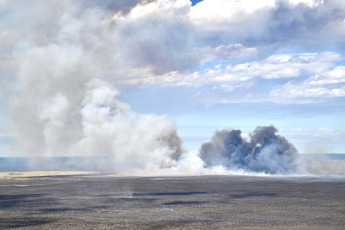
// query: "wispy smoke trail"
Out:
[265,151]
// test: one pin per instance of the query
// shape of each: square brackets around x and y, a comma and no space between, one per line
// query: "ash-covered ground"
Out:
[105,201]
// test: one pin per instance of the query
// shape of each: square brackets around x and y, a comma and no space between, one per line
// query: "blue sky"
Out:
[218,64]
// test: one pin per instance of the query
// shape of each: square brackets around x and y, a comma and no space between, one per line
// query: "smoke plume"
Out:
[265,151]
[86,119]
[63,81]
[62,63]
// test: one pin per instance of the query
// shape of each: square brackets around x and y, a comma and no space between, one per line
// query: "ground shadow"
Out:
[185,203]
[8,223]
[238,196]
[169,194]
[73,209]
[7,201]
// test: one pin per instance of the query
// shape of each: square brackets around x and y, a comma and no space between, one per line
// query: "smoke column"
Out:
[265,151]
[63,62]
[67,115]
[62,97]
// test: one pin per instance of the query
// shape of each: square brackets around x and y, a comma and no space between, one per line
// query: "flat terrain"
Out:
[104,201]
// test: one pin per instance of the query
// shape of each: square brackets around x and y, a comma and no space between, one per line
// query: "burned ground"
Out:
[103,201]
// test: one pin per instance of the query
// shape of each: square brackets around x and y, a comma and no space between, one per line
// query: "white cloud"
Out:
[245,74]
[335,76]
[172,43]
[223,52]
[327,84]
[161,38]
[299,23]
[157,38]
[219,11]
[293,93]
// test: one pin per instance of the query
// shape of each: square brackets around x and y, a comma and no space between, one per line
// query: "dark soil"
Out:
[207,202]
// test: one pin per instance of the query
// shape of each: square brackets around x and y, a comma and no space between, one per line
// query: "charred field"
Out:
[106,201]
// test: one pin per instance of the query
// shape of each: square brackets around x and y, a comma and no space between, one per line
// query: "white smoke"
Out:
[64,104]
[61,63]
[62,109]
[134,141]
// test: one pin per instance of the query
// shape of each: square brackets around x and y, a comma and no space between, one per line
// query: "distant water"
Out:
[336,156]
[332,156]
[24,164]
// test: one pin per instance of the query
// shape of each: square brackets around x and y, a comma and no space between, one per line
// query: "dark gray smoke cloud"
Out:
[265,151]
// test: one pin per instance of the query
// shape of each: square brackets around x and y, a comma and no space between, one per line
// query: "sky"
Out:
[200,66]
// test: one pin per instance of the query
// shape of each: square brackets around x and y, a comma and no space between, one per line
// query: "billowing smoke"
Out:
[62,61]
[82,117]
[265,151]
[63,98]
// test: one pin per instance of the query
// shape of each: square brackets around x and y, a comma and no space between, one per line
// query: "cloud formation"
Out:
[173,43]
[317,88]
[272,67]
[216,34]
